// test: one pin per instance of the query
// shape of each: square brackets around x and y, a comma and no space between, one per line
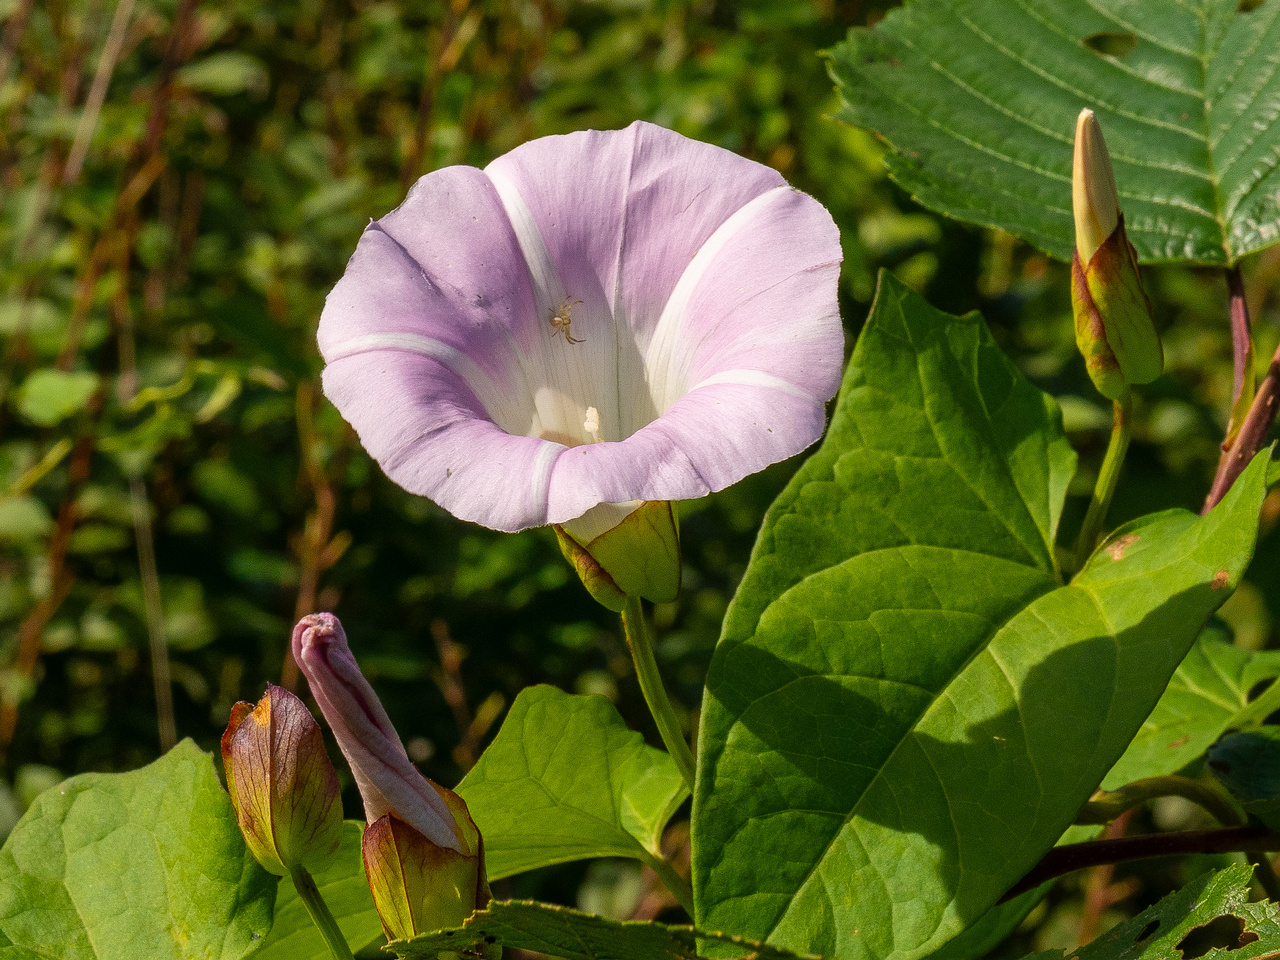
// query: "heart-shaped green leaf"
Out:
[145,865]
[906,708]
[565,779]
[977,100]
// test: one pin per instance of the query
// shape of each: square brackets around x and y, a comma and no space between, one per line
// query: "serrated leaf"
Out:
[906,708]
[1170,929]
[572,935]
[1207,696]
[977,101]
[145,865]
[564,780]
[293,934]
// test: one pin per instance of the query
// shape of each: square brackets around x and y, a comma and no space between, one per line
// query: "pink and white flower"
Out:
[597,318]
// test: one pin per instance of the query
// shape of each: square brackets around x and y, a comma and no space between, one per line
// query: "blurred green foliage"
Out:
[181,184]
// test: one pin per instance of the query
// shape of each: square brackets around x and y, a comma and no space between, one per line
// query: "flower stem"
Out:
[1121,426]
[676,884]
[640,641]
[320,914]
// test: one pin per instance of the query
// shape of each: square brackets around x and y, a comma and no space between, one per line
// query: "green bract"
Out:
[638,557]
[1114,329]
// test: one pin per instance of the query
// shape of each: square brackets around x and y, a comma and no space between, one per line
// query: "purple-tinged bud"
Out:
[282,785]
[423,824]
[638,555]
[1114,329]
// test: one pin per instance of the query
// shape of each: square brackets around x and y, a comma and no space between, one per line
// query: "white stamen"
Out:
[592,424]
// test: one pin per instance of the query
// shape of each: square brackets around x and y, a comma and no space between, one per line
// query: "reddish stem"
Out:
[1262,412]
[1076,856]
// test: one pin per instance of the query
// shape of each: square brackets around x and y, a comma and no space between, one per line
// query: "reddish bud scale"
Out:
[282,785]
[1113,317]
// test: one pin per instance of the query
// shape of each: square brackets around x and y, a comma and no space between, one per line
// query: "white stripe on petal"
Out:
[546,458]
[565,378]
[548,290]
[755,378]
[666,362]
[500,406]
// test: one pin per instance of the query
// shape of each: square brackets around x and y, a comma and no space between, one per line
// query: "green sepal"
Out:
[418,886]
[1114,329]
[639,557]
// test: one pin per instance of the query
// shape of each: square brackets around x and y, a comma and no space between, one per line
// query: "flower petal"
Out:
[421,422]
[624,211]
[388,781]
[459,350]
[442,276]
[619,215]
[760,294]
[711,438]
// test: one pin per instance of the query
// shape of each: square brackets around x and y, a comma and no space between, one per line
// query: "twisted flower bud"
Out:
[1114,329]
[282,785]
[422,852]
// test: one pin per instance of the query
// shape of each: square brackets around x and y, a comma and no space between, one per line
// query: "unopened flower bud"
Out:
[425,825]
[282,785]
[1114,329]
[637,556]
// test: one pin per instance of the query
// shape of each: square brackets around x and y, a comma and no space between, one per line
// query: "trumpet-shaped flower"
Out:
[602,318]
[423,854]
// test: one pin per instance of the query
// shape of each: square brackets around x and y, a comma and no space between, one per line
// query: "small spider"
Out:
[562,318]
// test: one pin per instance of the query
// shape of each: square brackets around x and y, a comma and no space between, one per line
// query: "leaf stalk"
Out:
[1107,805]
[1262,412]
[1076,856]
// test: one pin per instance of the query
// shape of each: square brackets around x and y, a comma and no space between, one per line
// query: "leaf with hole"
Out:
[907,708]
[977,101]
[1210,918]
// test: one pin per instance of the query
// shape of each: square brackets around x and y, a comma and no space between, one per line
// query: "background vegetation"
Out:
[180,185]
